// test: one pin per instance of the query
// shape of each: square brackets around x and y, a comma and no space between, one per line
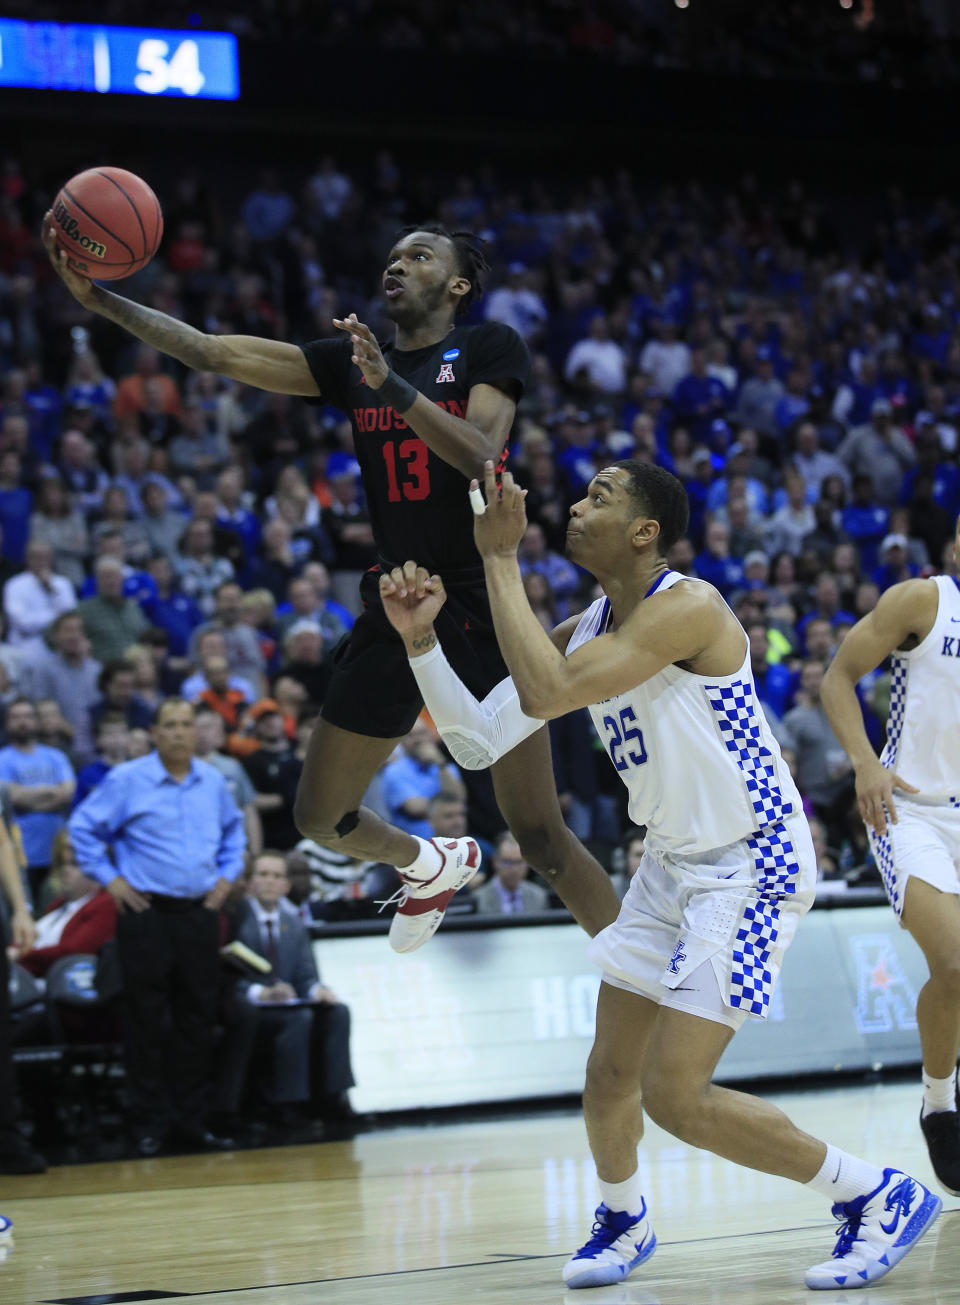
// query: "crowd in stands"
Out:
[892,41]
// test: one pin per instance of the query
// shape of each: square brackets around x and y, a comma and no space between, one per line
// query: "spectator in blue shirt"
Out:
[164,836]
[16,503]
[715,565]
[41,788]
[112,742]
[894,566]
[795,403]
[560,574]
[774,681]
[169,609]
[865,521]
[700,398]
[414,778]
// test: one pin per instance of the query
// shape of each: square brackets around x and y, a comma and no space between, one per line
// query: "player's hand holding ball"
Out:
[411,597]
[105,224]
[498,529]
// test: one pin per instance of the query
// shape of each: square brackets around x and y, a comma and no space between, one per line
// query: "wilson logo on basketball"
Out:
[70,228]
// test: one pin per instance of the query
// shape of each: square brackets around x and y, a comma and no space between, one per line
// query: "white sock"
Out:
[939,1093]
[627,1195]
[425,864]
[843,1177]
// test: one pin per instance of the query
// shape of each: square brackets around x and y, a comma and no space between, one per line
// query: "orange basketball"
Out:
[109,222]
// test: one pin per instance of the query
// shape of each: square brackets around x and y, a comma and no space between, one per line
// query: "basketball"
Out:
[109,222]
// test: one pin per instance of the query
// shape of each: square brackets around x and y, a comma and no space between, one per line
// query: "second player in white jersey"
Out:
[910,800]
[695,752]
[923,728]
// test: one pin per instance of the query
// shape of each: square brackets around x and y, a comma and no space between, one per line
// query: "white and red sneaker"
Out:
[422,902]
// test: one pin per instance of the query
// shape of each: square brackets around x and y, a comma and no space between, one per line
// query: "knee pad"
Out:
[347,824]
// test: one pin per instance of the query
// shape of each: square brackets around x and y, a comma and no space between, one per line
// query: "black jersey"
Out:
[418,503]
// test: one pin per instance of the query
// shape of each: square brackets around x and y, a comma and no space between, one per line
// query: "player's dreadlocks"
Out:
[471,260]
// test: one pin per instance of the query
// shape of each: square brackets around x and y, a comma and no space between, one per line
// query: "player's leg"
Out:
[933,918]
[527,796]
[885,1211]
[622,1237]
[337,771]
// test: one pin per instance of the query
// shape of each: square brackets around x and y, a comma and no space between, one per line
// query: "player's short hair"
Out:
[660,495]
[471,260]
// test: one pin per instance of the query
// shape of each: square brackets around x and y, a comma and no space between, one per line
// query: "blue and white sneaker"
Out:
[876,1233]
[6,1229]
[619,1241]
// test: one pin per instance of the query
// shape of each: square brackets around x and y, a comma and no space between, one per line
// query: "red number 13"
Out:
[416,484]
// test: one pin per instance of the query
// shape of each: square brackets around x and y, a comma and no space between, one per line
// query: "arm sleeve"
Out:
[477,733]
[329,363]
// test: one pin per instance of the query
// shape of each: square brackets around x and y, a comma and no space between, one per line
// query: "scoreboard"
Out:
[124,60]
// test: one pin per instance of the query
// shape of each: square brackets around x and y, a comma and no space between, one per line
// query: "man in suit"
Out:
[509,892]
[311,1044]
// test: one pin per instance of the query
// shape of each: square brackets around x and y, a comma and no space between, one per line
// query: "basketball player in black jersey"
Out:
[427,411]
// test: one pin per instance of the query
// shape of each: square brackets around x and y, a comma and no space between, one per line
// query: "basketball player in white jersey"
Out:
[916,839]
[664,668]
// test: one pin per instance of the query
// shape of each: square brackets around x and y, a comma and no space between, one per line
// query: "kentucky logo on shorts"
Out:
[677,959]
[445,373]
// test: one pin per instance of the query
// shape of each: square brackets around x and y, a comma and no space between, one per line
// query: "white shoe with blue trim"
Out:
[876,1233]
[6,1229]
[618,1243]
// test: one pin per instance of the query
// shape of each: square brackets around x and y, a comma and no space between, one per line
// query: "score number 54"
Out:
[162,71]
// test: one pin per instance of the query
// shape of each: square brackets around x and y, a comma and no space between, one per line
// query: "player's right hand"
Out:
[81,287]
[875,785]
[411,597]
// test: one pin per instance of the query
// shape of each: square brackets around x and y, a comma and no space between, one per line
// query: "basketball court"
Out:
[485,1211]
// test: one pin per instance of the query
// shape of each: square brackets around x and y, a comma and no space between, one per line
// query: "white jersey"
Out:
[701,765]
[923,728]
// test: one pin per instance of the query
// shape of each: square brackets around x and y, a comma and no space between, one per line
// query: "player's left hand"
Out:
[498,531]
[366,351]
[411,597]
[218,894]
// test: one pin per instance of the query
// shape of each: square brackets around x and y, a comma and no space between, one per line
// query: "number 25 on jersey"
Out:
[622,734]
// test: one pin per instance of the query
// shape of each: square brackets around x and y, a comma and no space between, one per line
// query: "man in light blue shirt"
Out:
[41,782]
[165,837]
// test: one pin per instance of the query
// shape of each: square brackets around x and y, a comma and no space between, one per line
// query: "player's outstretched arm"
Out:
[905,610]
[266,364]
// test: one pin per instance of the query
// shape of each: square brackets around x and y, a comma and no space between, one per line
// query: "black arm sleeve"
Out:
[329,363]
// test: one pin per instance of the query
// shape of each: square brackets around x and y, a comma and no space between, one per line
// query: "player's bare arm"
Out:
[674,628]
[465,442]
[265,364]
[902,618]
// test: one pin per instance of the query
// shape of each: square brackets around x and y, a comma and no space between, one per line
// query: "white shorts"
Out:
[707,934]
[924,843]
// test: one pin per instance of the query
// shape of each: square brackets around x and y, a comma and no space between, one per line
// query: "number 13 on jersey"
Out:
[414,481]
[623,733]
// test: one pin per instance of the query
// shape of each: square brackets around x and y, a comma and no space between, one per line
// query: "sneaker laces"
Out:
[400,897]
[901,1197]
[847,1235]
[602,1236]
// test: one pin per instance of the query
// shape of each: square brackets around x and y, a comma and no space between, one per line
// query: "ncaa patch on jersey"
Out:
[450,355]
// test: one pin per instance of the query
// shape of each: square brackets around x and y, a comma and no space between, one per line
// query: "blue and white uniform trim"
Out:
[898,710]
[736,712]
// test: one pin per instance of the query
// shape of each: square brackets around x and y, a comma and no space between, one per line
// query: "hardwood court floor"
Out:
[484,1212]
